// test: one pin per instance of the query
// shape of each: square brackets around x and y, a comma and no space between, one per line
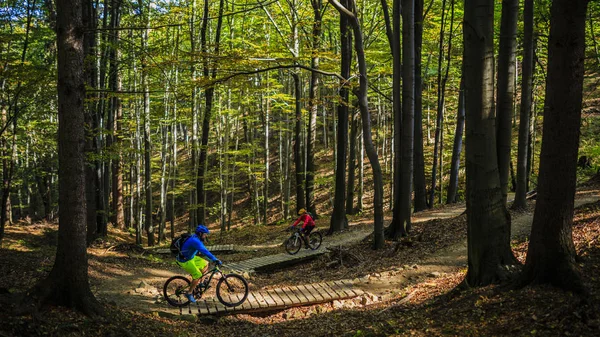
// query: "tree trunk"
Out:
[266,182]
[420,194]
[440,105]
[393,34]
[408,115]
[91,144]
[208,102]
[352,161]
[551,254]
[313,108]
[338,217]
[148,220]
[404,126]
[506,89]
[68,284]
[457,147]
[361,94]
[117,114]
[298,156]
[488,221]
[525,113]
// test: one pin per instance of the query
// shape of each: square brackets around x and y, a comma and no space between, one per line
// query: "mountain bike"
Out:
[294,242]
[231,289]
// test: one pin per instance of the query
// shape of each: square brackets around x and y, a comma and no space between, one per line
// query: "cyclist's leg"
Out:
[192,268]
[306,232]
[202,265]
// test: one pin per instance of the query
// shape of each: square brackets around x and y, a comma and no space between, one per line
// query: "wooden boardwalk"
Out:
[276,299]
[212,249]
[273,261]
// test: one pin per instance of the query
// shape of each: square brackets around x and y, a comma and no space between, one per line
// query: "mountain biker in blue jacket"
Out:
[191,262]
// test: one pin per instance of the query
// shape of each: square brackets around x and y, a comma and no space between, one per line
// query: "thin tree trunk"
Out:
[208,99]
[404,124]
[313,107]
[117,114]
[266,183]
[352,162]
[420,193]
[148,220]
[457,147]
[91,144]
[439,119]
[393,34]
[525,113]
[506,89]
[551,254]
[408,114]
[338,217]
[300,194]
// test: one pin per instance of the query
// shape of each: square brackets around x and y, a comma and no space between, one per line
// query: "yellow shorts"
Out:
[194,266]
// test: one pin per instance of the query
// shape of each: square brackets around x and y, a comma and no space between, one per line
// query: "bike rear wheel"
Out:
[314,240]
[232,290]
[174,291]
[293,245]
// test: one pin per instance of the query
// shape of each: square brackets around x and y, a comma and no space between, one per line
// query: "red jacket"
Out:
[308,221]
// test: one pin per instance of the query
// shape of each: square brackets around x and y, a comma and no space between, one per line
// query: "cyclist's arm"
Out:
[297,221]
[202,249]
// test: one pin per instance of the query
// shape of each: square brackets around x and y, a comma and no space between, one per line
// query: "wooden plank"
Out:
[247,304]
[314,292]
[212,306]
[320,288]
[310,293]
[287,301]
[206,306]
[203,311]
[268,299]
[292,295]
[278,301]
[299,294]
[349,288]
[261,300]
[340,288]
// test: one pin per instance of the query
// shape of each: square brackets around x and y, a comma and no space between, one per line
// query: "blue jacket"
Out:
[192,246]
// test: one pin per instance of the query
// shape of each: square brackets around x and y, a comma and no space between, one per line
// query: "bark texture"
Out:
[488,221]
[551,255]
[68,284]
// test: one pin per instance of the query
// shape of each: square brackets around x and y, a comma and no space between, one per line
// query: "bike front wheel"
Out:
[232,290]
[293,245]
[314,240]
[174,291]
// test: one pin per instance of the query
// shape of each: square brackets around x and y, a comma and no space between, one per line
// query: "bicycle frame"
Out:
[202,288]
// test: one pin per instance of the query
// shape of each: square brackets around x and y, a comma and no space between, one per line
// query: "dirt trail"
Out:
[447,260]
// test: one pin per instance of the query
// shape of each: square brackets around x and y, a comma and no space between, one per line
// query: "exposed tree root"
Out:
[53,291]
[561,274]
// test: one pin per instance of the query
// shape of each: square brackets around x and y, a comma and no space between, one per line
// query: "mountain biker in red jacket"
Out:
[308,224]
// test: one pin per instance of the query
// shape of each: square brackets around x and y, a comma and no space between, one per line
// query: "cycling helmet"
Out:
[301,211]
[201,229]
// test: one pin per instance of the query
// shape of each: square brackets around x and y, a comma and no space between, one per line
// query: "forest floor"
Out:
[410,286]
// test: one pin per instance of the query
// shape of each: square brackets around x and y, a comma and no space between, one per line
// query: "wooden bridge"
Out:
[273,262]
[214,249]
[275,299]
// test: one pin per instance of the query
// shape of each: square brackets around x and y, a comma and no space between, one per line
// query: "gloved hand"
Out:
[218,262]
[292,227]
